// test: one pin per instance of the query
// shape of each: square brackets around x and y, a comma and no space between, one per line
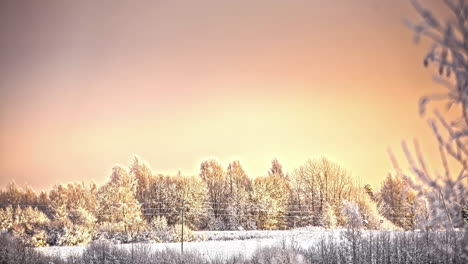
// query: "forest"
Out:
[138,205]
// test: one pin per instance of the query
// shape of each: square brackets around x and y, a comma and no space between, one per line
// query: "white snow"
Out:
[222,243]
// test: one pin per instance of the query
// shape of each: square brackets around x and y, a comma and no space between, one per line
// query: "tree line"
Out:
[136,202]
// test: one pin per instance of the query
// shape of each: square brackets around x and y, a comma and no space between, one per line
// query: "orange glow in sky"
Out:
[86,85]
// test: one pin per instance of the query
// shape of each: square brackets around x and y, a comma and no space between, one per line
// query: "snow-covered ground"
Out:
[223,243]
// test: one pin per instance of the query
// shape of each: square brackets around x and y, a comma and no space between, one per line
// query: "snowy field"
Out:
[222,243]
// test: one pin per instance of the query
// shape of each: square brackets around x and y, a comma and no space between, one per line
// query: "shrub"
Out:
[159,229]
[177,233]
[30,234]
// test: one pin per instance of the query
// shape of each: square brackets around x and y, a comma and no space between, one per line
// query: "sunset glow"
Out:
[86,86]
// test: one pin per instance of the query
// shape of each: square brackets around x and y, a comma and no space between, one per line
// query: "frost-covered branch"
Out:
[449,53]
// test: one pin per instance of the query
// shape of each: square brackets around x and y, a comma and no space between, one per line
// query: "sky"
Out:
[87,84]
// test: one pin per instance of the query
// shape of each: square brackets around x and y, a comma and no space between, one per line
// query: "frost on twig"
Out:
[445,192]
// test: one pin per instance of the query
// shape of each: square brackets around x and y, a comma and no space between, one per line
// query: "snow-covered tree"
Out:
[352,215]
[84,218]
[29,197]
[59,201]
[271,196]
[74,235]
[236,178]
[372,211]
[276,169]
[214,176]
[43,201]
[142,171]
[446,192]
[191,194]
[297,206]
[305,191]
[398,201]
[163,199]
[6,218]
[168,194]
[24,223]
[317,183]
[117,201]
[33,215]
[59,210]
[12,195]
[73,210]
[29,225]
[239,188]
